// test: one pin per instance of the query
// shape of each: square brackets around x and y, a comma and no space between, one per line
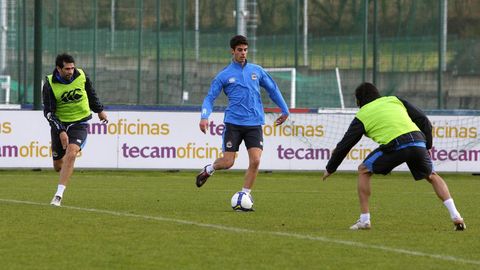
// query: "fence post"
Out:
[95,29]
[365,40]
[375,41]
[37,56]
[139,44]
[158,53]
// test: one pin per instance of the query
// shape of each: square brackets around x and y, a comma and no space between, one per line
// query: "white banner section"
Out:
[173,140]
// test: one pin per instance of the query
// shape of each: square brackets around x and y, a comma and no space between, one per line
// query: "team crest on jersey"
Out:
[231,80]
[254,76]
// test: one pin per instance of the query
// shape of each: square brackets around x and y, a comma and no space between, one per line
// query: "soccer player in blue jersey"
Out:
[244,115]
[404,134]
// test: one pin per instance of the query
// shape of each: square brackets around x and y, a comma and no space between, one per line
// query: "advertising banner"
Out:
[173,140]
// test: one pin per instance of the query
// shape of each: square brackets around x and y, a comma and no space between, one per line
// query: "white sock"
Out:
[60,190]
[365,217]
[454,214]
[246,190]
[210,170]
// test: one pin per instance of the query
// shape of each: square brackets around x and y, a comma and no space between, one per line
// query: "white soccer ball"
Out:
[242,201]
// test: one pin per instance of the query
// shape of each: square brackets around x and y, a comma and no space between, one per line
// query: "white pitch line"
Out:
[283,234]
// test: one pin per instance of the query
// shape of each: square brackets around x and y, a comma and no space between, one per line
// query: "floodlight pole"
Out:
[443,31]
[197,30]
[442,47]
[112,25]
[305,32]
[240,14]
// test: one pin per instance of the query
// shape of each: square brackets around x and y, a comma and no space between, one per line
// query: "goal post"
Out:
[339,85]
[6,93]
[293,82]
[5,89]
[308,89]
[455,133]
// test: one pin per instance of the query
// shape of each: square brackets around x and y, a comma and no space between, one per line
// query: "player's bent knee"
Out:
[362,168]
[72,154]
[255,162]
[432,177]
[72,151]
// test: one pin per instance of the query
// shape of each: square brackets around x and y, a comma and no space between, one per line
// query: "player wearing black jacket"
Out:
[50,102]
[68,101]
[404,134]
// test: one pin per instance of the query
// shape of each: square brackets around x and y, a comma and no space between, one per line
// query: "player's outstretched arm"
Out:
[103,117]
[203,125]
[281,119]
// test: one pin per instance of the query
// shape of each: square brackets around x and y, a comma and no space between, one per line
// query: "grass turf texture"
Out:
[160,220]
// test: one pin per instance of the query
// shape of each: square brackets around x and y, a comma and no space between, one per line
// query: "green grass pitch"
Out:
[161,220]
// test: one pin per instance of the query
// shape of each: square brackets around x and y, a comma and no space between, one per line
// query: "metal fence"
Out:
[166,52]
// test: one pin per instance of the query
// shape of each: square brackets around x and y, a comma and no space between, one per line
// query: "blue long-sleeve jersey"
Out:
[242,88]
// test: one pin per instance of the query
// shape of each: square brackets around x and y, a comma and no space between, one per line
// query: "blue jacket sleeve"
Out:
[215,89]
[275,95]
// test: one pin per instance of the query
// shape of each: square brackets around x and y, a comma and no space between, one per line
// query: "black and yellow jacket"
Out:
[63,109]
[410,119]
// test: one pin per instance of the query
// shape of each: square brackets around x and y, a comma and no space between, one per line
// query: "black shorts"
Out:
[77,134]
[233,135]
[415,154]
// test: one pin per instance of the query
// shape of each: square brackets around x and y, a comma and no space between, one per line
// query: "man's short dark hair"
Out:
[238,40]
[365,93]
[63,58]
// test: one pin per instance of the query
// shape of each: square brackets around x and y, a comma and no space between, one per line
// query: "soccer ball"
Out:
[242,201]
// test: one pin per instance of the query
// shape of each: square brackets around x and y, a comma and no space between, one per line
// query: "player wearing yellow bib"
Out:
[404,134]
[68,99]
